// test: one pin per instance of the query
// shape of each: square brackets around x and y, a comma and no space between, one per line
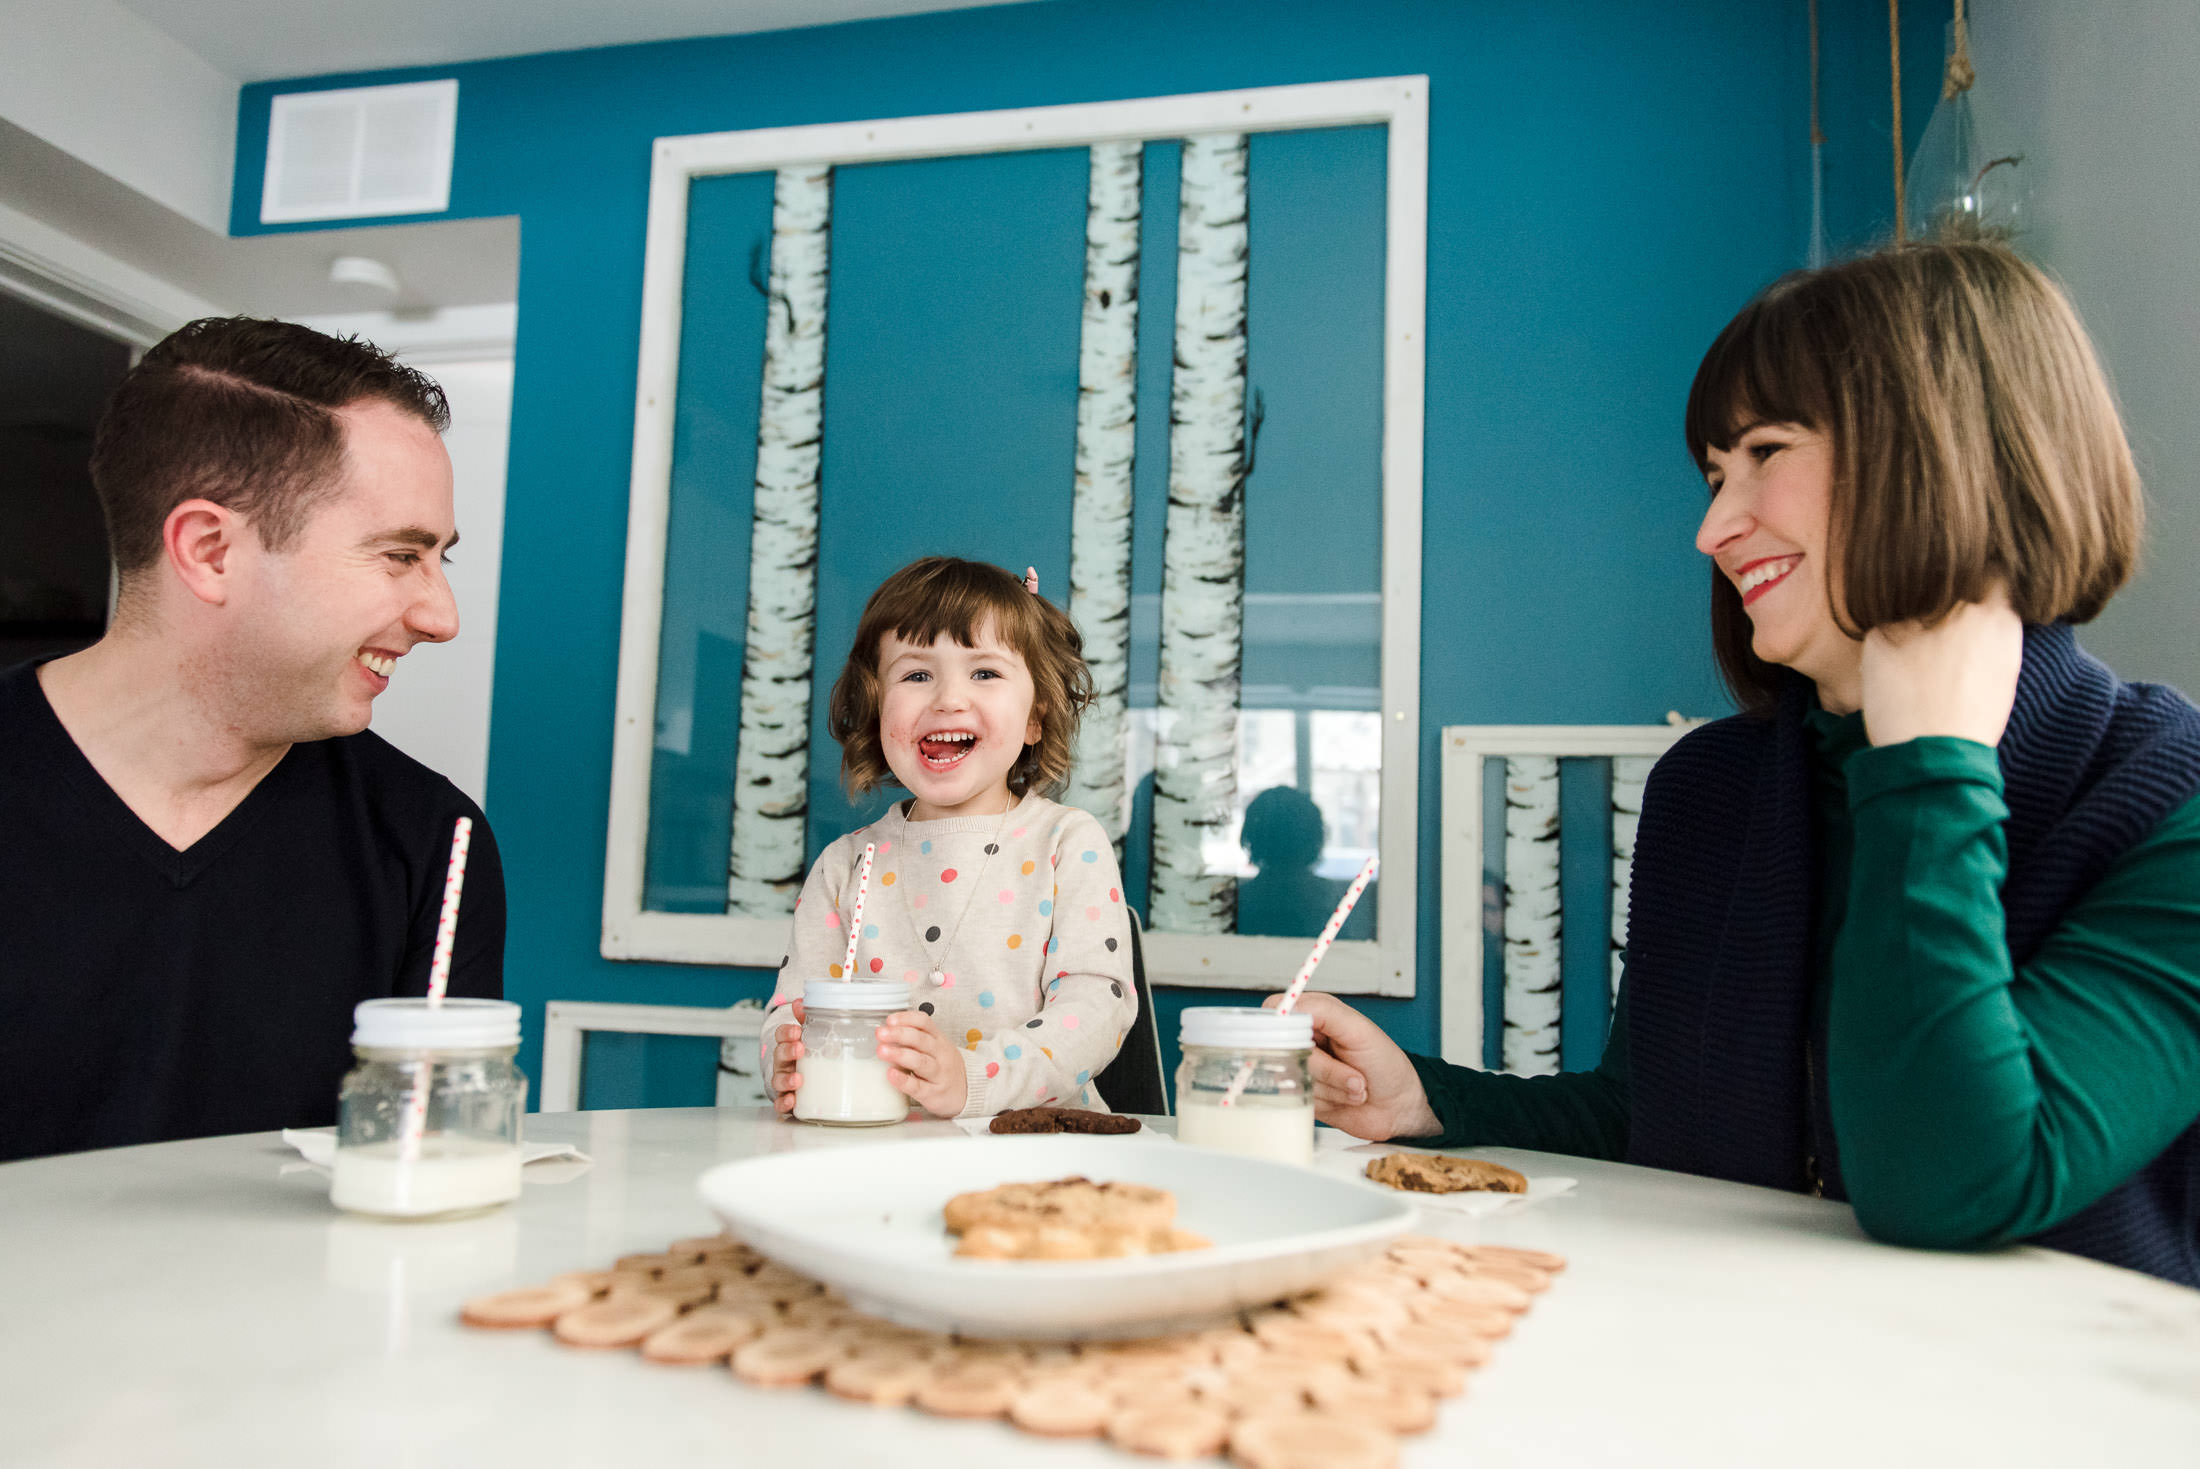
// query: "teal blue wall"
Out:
[1608,182]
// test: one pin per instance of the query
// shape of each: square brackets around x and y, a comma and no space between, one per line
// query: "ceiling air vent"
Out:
[360,152]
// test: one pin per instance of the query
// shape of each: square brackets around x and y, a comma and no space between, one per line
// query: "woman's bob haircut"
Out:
[1974,439]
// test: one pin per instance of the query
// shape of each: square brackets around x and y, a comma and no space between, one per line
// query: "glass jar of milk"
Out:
[462,1153]
[1273,1117]
[843,1078]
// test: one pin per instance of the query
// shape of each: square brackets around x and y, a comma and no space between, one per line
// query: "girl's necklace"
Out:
[977,879]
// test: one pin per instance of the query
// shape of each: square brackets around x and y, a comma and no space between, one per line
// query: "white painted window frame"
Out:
[1384,966]
[1463,750]
[566,1025]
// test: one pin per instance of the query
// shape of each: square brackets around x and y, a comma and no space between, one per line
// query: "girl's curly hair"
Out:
[945,596]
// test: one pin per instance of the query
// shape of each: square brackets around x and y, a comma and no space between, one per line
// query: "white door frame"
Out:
[61,274]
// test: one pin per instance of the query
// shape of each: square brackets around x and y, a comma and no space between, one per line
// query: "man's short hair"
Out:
[241,412]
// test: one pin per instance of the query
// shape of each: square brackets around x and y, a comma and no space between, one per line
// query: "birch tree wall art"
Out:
[1629,774]
[1203,571]
[1100,505]
[949,244]
[772,760]
[1532,972]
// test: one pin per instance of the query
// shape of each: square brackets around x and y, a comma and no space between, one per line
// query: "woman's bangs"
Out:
[1760,370]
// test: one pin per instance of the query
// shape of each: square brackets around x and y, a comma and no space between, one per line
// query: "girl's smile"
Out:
[954,721]
[945,749]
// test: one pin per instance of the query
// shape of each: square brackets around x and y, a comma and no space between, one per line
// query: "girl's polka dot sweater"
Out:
[1022,919]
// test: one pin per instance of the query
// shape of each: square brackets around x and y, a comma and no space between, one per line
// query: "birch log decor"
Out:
[1532,974]
[1203,557]
[1629,774]
[1100,505]
[772,762]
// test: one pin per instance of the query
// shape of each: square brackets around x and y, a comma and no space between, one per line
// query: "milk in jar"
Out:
[428,1121]
[1272,1115]
[844,1081]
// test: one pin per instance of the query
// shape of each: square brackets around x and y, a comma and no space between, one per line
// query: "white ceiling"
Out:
[92,195]
[259,40]
[464,262]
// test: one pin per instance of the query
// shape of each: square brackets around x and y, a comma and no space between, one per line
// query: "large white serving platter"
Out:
[866,1220]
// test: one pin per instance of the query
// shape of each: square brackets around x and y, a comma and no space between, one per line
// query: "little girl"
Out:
[1002,910]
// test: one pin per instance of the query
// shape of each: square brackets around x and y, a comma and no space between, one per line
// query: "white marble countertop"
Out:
[195,1304]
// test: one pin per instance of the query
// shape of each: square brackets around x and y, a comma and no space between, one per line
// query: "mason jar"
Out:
[1272,1116]
[844,1081]
[458,1152]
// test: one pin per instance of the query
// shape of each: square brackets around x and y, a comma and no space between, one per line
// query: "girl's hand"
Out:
[1363,1082]
[1958,678]
[923,1064]
[785,1052]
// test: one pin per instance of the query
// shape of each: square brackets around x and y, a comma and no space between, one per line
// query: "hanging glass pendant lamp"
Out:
[1955,187]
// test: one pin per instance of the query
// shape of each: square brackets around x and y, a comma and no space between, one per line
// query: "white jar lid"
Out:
[454,1025]
[855,994]
[1245,1030]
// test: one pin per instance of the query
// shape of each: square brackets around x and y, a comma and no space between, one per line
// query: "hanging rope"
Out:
[1894,60]
[1816,254]
[1960,75]
[1817,136]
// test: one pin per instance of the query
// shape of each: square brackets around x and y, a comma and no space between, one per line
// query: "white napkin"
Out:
[317,1145]
[983,1127]
[1344,1155]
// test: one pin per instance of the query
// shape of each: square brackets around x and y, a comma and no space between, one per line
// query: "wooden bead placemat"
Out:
[1329,1380]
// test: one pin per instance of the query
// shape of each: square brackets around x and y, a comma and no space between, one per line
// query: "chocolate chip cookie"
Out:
[1433,1173]
[1075,1202]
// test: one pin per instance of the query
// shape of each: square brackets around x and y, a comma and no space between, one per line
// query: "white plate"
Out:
[866,1220]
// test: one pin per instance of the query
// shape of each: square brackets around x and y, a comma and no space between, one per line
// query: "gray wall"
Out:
[2101,99]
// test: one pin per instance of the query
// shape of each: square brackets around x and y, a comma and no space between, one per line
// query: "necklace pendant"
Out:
[938,978]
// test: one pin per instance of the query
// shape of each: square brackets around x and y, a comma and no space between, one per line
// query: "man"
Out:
[205,859]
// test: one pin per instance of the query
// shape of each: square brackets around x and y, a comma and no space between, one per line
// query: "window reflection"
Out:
[1306,817]
[1347,784]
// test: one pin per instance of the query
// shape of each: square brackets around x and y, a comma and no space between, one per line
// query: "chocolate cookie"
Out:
[1063,1119]
[1433,1173]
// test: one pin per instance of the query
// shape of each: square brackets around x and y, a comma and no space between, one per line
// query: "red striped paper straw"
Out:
[1329,935]
[439,980]
[855,919]
[1306,970]
[446,928]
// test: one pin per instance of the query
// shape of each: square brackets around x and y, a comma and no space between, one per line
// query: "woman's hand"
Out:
[1362,1082]
[923,1064]
[1956,678]
[785,1052]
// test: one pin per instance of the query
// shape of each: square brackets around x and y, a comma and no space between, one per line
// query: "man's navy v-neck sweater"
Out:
[148,994]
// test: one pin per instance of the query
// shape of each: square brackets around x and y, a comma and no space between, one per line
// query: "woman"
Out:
[1920,927]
